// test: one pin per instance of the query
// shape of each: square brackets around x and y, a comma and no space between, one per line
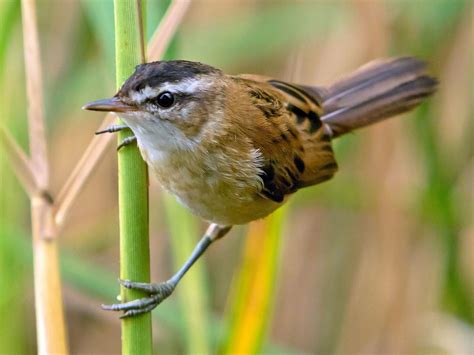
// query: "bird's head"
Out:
[168,103]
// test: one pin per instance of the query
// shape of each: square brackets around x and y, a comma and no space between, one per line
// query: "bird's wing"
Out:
[293,141]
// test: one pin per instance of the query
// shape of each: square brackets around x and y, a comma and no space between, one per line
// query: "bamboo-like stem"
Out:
[51,333]
[133,189]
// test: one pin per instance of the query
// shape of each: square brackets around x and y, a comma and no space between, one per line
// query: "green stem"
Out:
[133,189]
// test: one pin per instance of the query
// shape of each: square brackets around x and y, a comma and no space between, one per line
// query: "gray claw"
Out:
[110,307]
[135,312]
[165,288]
[157,294]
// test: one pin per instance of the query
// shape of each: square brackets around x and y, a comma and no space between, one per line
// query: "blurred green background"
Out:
[380,260]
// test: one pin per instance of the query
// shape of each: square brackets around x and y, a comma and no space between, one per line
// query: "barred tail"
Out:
[376,91]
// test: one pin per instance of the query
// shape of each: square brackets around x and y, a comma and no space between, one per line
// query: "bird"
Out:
[234,148]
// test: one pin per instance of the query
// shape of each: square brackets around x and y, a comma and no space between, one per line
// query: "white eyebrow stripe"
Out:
[187,86]
[143,94]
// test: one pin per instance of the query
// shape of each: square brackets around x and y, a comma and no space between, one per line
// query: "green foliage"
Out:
[13,272]
[9,12]
[261,34]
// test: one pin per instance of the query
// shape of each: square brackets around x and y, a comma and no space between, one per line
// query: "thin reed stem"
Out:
[133,189]
[19,161]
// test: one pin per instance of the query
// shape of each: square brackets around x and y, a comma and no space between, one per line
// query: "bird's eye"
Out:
[165,99]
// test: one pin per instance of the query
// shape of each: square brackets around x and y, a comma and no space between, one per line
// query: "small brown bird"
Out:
[234,148]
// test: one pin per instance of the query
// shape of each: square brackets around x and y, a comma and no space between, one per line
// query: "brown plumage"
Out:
[296,148]
[305,119]
[233,148]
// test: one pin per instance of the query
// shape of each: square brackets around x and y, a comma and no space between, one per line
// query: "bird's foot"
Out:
[157,293]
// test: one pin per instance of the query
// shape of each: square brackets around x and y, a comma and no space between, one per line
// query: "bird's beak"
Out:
[113,104]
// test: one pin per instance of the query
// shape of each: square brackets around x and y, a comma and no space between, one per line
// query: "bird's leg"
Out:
[159,292]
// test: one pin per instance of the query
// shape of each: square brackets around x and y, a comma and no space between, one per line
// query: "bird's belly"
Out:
[217,201]
[208,194]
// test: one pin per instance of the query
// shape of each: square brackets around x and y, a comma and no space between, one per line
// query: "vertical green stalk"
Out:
[133,188]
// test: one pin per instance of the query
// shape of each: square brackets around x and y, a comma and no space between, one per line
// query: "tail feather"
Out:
[374,92]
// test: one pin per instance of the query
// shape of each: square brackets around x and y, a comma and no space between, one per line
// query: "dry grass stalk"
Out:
[167,28]
[34,91]
[141,29]
[20,162]
[50,326]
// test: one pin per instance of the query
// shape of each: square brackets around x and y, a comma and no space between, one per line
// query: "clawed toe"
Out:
[135,312]
[142,286]
[161,288]
[157,293]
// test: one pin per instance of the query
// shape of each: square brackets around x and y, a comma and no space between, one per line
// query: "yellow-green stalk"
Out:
[254,291]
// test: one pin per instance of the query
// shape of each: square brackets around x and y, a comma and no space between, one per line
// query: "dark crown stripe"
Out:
[156,73]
